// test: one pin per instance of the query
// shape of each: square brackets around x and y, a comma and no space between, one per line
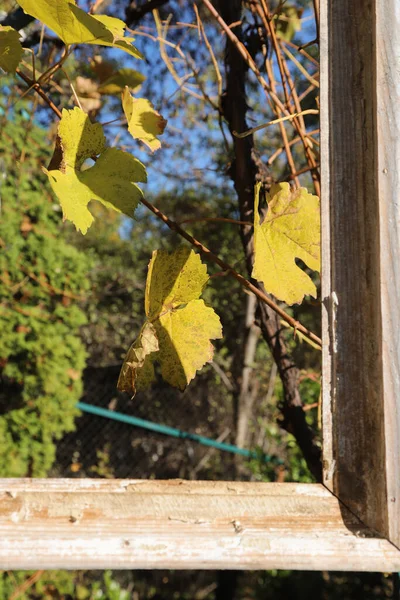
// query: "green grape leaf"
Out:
[291,229]
[74,26]
[144,123]
[183,324]
[137,372]
[110,180]
[10,49]
[121,78]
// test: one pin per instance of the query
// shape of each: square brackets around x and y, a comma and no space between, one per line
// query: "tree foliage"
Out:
[42,276]
[214,95]
[111,180]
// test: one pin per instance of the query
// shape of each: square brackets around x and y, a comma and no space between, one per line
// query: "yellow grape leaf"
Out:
[291,229]
[172,280]
[184,335]
[10,49]
[110,180]
[121,78]
[183,324]
[137,371]
[144,123]
[74,26]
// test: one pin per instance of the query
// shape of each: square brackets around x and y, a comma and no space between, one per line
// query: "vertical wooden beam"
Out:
[388,177]
[360,99]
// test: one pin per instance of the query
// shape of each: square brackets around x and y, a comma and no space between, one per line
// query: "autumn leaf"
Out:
[291,229]
[182,323]
[137,372]
[184,335]
[111,180]
[10,49]
[74,26]
[172,280]
[144,123]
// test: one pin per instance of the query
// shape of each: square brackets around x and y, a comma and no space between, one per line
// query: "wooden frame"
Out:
[352,521]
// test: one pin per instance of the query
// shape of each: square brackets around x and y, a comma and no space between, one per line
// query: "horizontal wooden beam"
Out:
[135,524]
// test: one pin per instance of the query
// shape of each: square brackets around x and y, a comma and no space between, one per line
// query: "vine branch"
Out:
[226,267]
[202,249]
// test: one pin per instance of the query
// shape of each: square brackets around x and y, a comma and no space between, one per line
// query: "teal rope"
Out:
[171,431]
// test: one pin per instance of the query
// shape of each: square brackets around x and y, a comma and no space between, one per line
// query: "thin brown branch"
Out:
[245,55]
[309,111]
[298,64]
[286,77]
[284,135]
[295,140]
[215,220]
[301,51]
[21,589]
[210,50]
[301,172]
[302,130]
[39,90]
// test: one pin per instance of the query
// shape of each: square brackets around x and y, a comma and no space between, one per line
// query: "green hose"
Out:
[171,431]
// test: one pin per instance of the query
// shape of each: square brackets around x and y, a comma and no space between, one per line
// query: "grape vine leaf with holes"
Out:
[110,180]
[74,26]
[181,322]
[144,123]
[290,229]
[10,49]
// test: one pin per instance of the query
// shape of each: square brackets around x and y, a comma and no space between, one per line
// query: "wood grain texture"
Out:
[361,257]
[135,524]
[388,135]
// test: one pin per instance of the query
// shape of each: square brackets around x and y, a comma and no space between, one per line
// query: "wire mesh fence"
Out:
[103,447]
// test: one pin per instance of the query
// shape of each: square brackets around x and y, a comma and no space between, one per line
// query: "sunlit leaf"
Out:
[173,279]
[75,26]
[291,229]
[137,371]
[110,180]
[184,336]
[121,78]
[144,123]
[183,324]
[10,49]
